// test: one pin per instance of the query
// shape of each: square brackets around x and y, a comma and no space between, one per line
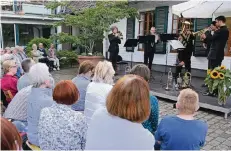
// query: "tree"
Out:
[91,22]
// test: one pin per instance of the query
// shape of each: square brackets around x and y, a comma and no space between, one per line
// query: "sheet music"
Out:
[176,44]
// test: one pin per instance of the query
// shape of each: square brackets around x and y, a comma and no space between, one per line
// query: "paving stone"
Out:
[219,131]
[214,135]
[226,136]
[227,142]
[214,143]
[220,139]
[208,138]
[207,147]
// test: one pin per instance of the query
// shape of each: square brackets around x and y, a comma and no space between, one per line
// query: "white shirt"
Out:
[108,132]
[95,98]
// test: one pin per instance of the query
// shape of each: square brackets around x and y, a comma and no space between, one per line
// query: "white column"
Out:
[1,36]
[15,35]
[59,30]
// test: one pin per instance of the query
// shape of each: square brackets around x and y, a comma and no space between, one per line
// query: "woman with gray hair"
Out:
[39,98]
[99,88]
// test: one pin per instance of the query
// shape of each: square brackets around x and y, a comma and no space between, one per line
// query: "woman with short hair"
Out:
[39,98]
[9,80]
[52,57]
[10,138]
[152,122]
[99,88]
[36,54]
[81,81]
[61,128]
[118,126]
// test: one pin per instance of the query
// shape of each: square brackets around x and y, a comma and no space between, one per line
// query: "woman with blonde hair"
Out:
[99,88]
[36,54]
[118,126]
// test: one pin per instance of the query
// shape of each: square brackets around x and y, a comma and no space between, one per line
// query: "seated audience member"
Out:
[39,98]
[24,80]
[52,57]
[21,53]
[67,127]
[118,126]
[18,61]
[81,81]
[182,132]
[98,90]
[9,81]
[36,54]
[152,122]
[10,138]
[8,50]
[17,109]
[44,59]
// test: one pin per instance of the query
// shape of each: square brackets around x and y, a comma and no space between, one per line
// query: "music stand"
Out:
[131,43]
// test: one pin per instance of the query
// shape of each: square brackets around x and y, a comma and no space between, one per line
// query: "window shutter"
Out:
[161,24]
[200,24]
[130,31]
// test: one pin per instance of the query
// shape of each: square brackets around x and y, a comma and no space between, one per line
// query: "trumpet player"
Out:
[114,39]
[150,48]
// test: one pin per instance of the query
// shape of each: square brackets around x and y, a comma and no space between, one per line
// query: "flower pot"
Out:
[93,59]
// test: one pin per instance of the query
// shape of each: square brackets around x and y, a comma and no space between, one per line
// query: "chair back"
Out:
[8,95]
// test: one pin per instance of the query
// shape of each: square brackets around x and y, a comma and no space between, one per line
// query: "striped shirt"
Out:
[17,109]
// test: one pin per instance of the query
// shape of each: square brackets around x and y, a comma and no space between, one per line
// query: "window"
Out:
[8,35]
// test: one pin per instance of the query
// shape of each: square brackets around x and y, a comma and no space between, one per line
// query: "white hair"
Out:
[104,72]
[39,73]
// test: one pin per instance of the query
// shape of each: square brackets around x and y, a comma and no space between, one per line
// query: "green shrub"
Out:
[46,44]
[67,57]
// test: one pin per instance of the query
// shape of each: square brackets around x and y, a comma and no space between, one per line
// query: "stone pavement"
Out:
[219,132]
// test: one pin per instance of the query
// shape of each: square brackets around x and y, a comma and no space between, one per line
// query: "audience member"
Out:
[9,81]
[24,80]
[68,128]
[36,54]
[21,53]
[10,138]
[44,59]
[81,81]
[16,111]
[8,50]
[182,132]
[98,90]
[53,57]
[118,126]
[39,98]
[152,122]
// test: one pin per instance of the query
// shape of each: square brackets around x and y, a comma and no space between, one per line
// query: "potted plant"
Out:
[219,79]
[92,23]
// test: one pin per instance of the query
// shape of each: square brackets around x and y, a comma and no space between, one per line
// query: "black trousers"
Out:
[46,61]
[113,58]
[148,58]
[213,63]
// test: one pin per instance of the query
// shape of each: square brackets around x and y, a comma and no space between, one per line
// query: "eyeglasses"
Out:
[14,66]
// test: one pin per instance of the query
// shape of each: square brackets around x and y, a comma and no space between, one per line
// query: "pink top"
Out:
[9,82]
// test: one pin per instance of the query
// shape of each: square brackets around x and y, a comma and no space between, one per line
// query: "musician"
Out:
[115,40]
[150,48]
[184,56]
[219,40]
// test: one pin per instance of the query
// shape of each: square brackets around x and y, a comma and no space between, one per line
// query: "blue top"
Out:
[179,134]
[152,122]
[38,99]
[81,83]
[23,81]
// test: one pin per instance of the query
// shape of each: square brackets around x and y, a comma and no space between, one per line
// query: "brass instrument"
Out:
[200,32]
[169,80]
[187,80]
[179,82]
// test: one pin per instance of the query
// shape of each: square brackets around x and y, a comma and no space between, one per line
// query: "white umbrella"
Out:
[206,9]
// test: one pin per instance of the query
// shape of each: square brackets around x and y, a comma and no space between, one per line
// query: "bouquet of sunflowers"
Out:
[219,79]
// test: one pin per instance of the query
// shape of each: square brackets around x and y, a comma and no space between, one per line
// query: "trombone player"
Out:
[114,39]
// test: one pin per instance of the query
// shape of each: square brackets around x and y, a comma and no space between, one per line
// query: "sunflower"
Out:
[221,75]
[222,67]
[214,74]
[208,71]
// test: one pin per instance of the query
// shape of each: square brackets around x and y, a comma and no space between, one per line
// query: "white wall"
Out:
[159,59]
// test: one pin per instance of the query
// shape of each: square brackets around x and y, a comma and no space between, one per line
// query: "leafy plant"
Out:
[219,79]
[67,57]
[91,22]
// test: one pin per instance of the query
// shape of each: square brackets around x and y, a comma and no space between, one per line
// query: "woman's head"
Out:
[52,46]
[86,68]
[10,138]
[9,67]
[129,99]
[65,92]
[187,102]
[114,29]
[141,70]
[34,47]
[39,75]
[104,72]
[8,50]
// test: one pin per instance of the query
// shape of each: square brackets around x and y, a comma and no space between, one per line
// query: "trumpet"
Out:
[187,80]
[200,32]
[169,80]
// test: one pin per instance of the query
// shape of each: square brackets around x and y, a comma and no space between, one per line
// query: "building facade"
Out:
[159,14]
